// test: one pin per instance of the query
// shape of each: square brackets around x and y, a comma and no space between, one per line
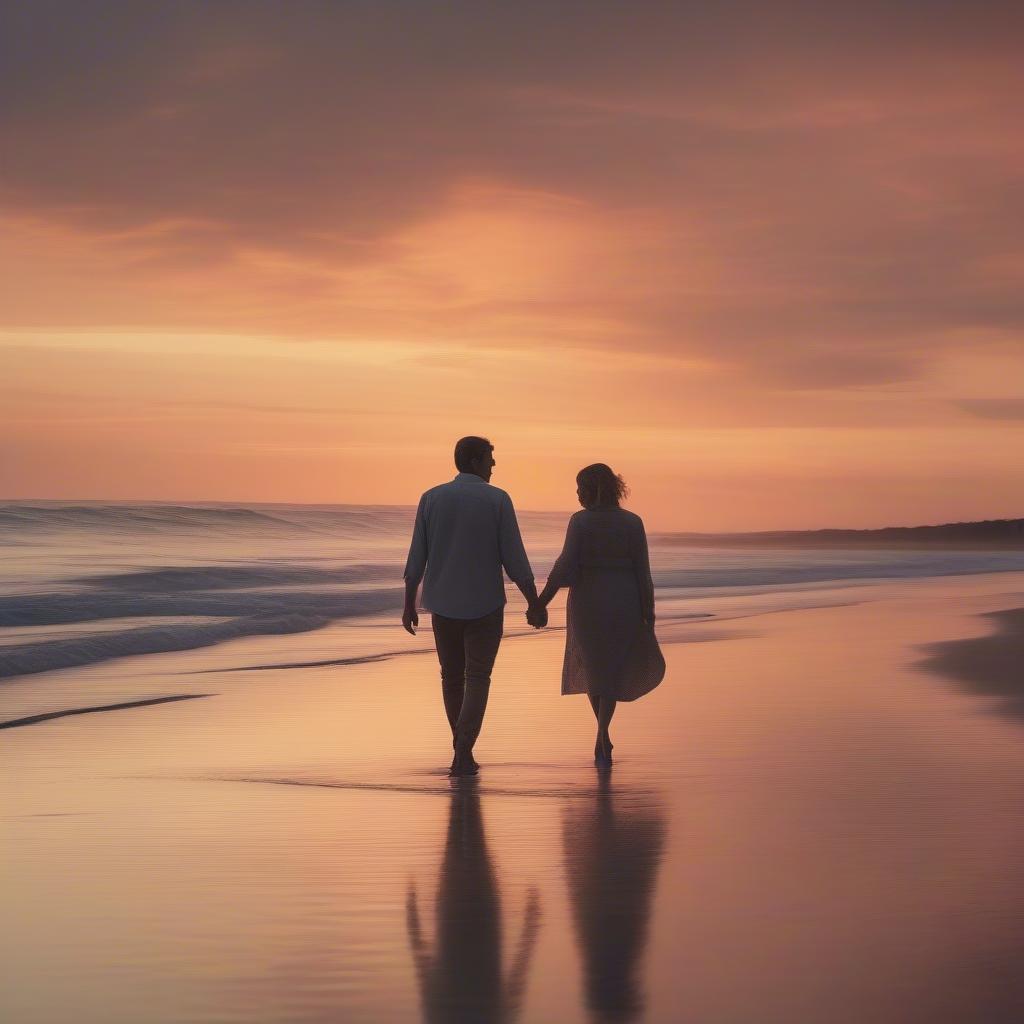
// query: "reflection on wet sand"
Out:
[613,847]
[462,978]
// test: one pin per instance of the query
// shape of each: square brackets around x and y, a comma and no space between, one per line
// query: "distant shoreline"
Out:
[996,534]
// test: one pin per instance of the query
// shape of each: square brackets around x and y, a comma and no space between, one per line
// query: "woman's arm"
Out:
[566,567]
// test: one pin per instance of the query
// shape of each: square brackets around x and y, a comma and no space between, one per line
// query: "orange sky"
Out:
[764,260]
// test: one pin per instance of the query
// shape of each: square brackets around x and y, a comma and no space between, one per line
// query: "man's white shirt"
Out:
[465,533]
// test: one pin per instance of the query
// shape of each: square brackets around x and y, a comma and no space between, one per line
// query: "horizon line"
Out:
[201,503]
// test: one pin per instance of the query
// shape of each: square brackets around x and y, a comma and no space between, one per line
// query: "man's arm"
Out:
[517,565]
[415,565]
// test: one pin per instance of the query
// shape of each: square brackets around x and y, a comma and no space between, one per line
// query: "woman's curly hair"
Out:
[600,485]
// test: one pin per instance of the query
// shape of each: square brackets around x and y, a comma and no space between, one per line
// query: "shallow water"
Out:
[802,825]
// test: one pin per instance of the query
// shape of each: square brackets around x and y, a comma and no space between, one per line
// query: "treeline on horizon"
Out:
[990,533]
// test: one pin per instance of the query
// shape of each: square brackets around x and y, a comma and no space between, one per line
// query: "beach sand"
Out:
[816,817]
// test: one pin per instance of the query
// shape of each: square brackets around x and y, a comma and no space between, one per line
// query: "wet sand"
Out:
[991,665]
[816,817]
[49,716]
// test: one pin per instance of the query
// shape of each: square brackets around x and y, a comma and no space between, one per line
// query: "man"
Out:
[465,533]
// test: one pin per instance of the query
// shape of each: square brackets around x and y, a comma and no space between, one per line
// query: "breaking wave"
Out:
[217,519]
[88,649]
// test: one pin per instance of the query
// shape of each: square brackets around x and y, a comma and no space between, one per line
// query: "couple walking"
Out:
[466,533]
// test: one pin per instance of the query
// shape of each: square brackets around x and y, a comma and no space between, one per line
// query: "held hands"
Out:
[410,619]
[537,615]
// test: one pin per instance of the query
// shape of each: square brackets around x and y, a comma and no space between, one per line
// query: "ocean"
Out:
[87,582]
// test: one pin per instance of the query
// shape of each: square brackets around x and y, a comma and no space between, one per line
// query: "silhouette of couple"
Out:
[466,534]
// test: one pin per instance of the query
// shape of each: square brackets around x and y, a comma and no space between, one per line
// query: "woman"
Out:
[611,653]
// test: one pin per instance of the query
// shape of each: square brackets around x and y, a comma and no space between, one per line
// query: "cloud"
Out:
[810,197]
[993,408]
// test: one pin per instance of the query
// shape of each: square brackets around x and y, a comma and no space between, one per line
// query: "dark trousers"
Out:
[466,649]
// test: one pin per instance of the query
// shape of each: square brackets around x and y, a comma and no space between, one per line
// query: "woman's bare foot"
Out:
[464,764]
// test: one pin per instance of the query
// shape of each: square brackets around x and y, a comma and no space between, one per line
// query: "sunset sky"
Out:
[764,259]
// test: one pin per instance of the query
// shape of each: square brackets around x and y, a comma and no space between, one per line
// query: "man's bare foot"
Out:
[469,759]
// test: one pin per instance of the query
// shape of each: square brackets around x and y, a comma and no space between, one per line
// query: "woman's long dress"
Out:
[609,650]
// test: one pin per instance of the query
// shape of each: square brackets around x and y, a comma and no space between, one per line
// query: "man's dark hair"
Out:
[468,450]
